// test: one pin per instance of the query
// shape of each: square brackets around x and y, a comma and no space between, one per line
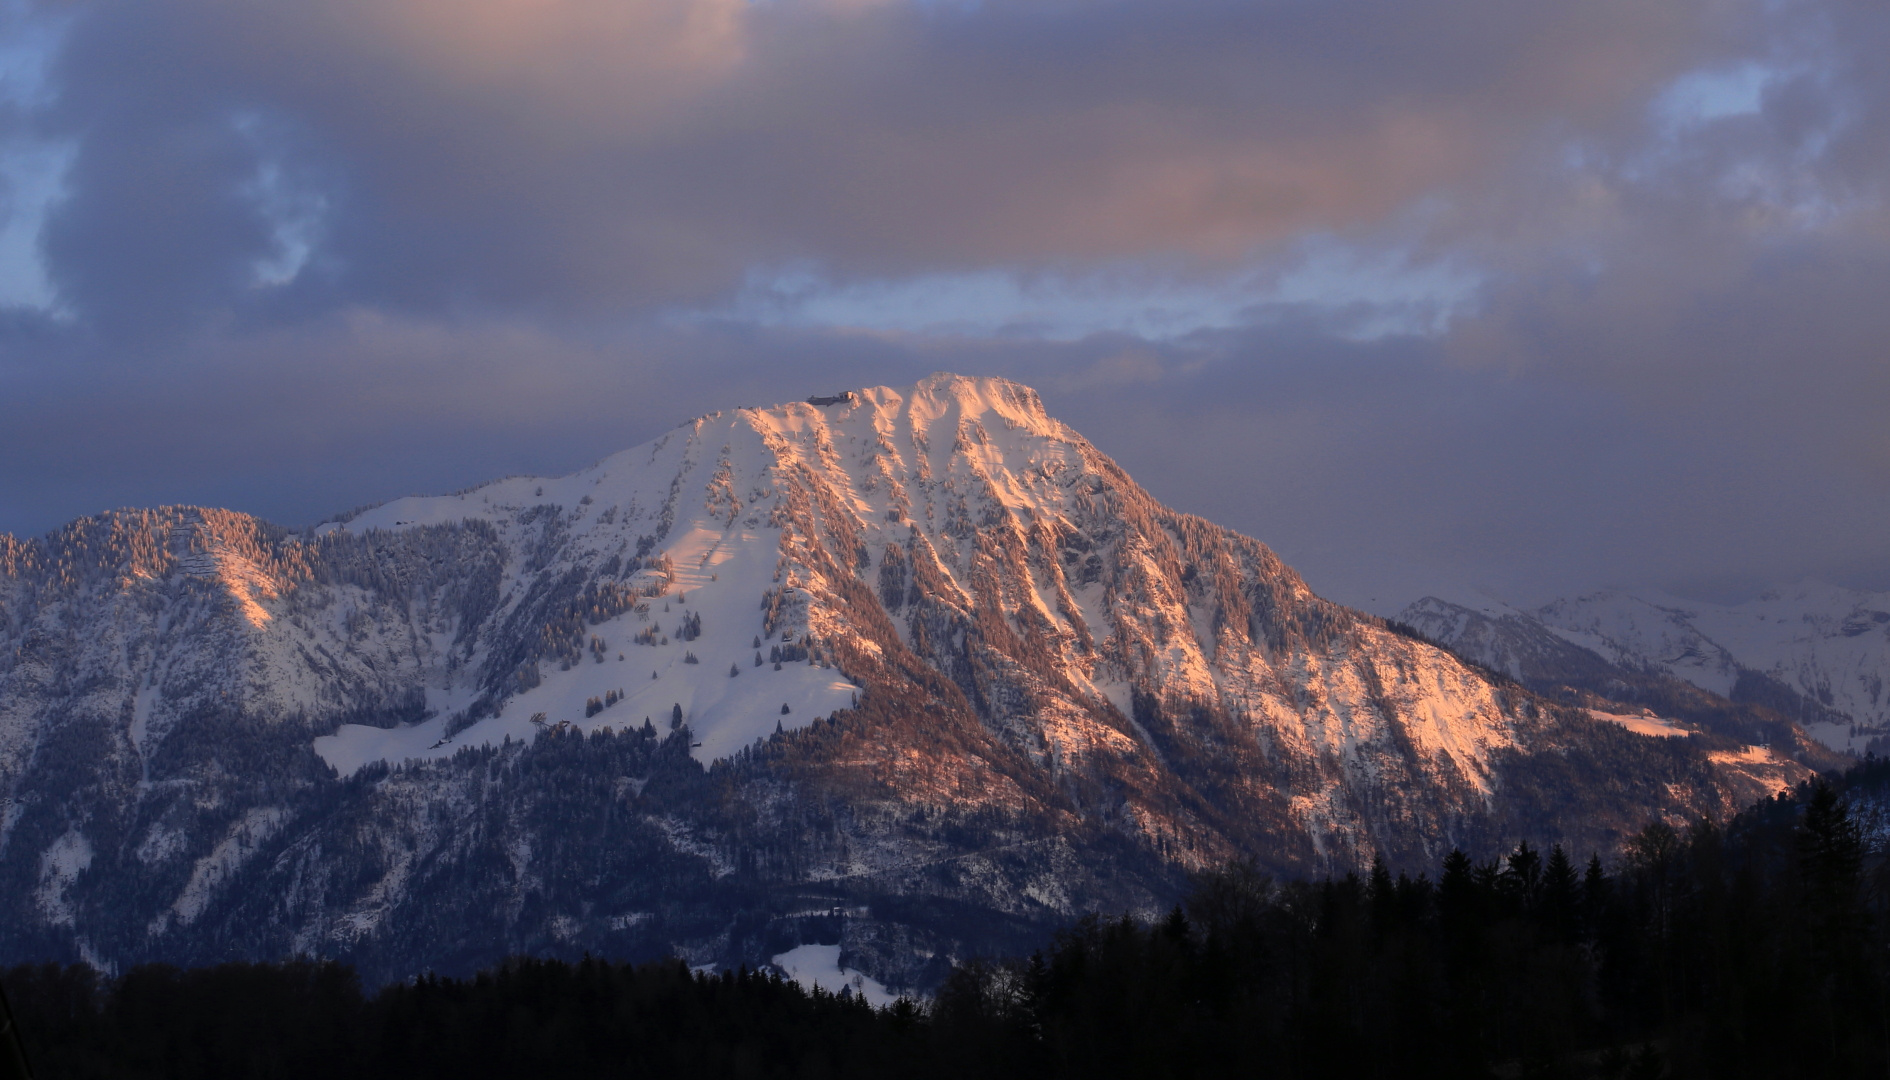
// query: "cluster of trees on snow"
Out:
[690,628]
[552,621]
[786,654]
[1758,948]
[595,705]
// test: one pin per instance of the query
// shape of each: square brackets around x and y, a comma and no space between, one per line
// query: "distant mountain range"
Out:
[1813,655]
[918,673]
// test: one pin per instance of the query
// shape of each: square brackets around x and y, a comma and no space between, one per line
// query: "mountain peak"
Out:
[920,640]
[984,393]
[940,396]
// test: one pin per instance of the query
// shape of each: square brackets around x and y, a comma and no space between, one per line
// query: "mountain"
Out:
[921,672]
[1815,656]
[1812,649]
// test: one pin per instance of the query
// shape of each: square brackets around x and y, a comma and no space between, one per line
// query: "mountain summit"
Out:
[920,670]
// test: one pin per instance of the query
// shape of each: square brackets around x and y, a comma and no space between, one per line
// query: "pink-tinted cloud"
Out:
[592,156]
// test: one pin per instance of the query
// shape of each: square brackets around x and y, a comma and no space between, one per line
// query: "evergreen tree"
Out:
[1561,896]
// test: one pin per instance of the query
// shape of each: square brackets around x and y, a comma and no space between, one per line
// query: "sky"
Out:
[1428,295]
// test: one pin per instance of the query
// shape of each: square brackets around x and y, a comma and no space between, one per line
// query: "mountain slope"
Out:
[916,669]
[1625,689]
[1815,650]
[1815,656]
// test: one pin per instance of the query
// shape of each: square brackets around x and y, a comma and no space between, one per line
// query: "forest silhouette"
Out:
[1760,947]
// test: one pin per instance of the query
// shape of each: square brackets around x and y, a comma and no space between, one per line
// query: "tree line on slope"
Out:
[1757,948]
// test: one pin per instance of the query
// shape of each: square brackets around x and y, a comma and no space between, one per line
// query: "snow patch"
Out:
[819,966]
[1643,723]
[214,870]
[59,866]
[1751,755]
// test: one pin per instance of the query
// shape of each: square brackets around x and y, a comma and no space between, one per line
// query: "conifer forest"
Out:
[1760,948]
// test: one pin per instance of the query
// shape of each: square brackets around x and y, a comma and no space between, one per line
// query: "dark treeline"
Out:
[529,1018]
[1753,949]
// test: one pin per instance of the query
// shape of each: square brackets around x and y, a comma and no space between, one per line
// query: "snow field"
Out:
[721,575]
[819,966]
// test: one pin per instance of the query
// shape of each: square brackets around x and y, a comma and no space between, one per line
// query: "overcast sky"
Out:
[1531,297]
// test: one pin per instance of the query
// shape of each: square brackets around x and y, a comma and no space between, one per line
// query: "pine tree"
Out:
[1459,898]
[1382,895]
[1561,895]
[1830,848]
[1522,877]
[1596,889]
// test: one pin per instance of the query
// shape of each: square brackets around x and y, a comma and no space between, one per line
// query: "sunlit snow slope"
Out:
[966,485]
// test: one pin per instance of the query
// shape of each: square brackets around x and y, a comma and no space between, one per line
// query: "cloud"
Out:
[1540,295]
[582,156]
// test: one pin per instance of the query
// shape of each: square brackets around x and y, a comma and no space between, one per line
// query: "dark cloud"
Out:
[590,156]
[316,254]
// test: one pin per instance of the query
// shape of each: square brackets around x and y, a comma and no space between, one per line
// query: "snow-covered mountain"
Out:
[919,670]
[1828,645]
[1818,654]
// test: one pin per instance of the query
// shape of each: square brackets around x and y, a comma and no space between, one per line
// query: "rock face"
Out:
[917,670]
